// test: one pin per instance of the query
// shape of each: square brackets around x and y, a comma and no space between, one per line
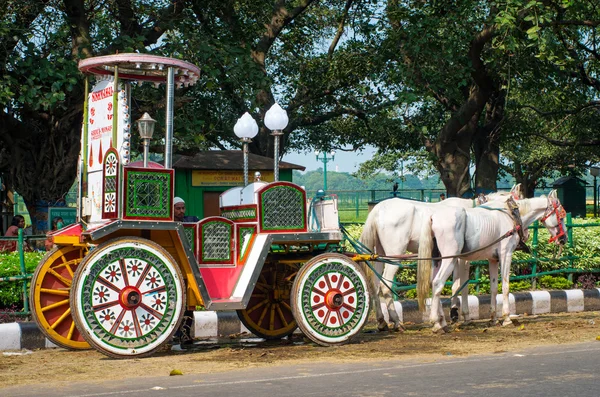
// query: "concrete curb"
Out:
[534,302]
[210,324]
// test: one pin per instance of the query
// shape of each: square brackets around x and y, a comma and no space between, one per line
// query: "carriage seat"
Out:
[249,192]
[231,197]
[323,214]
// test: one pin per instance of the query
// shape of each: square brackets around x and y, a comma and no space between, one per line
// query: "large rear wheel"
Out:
[128,297]
[330,299]
[269,314]
[49,296]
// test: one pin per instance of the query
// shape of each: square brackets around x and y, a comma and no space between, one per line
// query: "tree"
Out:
[250,53]
[469,66]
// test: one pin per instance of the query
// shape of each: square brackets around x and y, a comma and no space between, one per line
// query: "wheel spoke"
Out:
[66,314]
[262,287]
[60,278]
[54,305]
[287,305]
[317,291]
[71,330]
[108,284]
[326,319]
[59,292]
[124,271]
[318,306]
[339,284]
[348,307]
[105,305]
[272,317]
[143,276]
[263,314]
[350,291]
[328,281]
[260,304]
[282,317]
[155,290]
[136,324]
[150,310]
[115,326]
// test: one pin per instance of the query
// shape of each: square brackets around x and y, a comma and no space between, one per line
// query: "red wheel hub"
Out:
[130,297]
[334,299]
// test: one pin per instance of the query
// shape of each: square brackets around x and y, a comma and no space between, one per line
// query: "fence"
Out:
[23,277]
[353,205]
[534,261]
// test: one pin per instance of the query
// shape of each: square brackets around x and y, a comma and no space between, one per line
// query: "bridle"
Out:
[555,208]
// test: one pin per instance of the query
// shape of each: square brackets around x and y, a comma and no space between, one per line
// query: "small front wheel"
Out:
[330,299]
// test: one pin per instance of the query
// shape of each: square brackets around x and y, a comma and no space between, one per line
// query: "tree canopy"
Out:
[494,86]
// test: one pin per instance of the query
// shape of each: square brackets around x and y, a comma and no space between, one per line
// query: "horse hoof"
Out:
[493,322]
[506,322]
[454,315]
[399,328]
[383,327]
[438,329]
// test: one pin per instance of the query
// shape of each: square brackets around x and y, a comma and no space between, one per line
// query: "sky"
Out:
[343,161]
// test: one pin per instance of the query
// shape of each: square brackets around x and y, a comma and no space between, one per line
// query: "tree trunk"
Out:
[453,165]
[486,146]
[41,164]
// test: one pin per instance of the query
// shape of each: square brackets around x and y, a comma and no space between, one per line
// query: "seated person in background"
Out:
[18,222]
[57,223]
[183,335]
[179,211]
[442,196]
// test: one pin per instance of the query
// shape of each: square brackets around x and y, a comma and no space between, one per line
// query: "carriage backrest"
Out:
[281,208]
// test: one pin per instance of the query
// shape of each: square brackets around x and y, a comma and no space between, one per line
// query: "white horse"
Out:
[394,227]
[476,234]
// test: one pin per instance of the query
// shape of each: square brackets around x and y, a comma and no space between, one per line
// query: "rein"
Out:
[368,255]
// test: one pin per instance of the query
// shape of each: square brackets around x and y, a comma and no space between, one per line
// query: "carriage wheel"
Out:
[330,299]
[128,297]
[268,313]
[49,296]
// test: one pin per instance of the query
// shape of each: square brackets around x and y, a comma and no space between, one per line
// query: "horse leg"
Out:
[464,277]
[382,325]
[493,290]
[437,312]
[389,272]
[456,284]
[505,268]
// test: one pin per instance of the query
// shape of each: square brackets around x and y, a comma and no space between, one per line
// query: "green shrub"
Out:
[550,282]
[11,292]
[520,285]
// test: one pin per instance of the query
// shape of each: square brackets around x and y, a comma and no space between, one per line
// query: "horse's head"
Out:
[554,219]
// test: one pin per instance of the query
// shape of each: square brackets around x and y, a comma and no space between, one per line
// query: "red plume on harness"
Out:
[558,210]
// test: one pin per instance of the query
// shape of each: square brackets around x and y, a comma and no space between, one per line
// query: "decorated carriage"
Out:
[121,278]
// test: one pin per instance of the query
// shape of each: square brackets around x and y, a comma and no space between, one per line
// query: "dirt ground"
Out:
[55,366]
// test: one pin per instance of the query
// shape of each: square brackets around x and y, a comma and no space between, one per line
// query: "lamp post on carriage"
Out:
[325,160]
[146,128]
[245,129]
[276,119]
[595,171]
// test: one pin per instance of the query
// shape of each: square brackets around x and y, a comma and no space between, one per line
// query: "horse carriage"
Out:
[121,278]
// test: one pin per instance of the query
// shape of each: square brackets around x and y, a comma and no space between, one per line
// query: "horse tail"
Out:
[369,239]
[424,265]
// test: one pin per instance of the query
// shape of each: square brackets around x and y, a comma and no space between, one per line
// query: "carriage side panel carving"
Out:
[282,208]
[148,194]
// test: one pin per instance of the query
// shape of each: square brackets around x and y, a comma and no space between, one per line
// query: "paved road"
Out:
[550,371]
